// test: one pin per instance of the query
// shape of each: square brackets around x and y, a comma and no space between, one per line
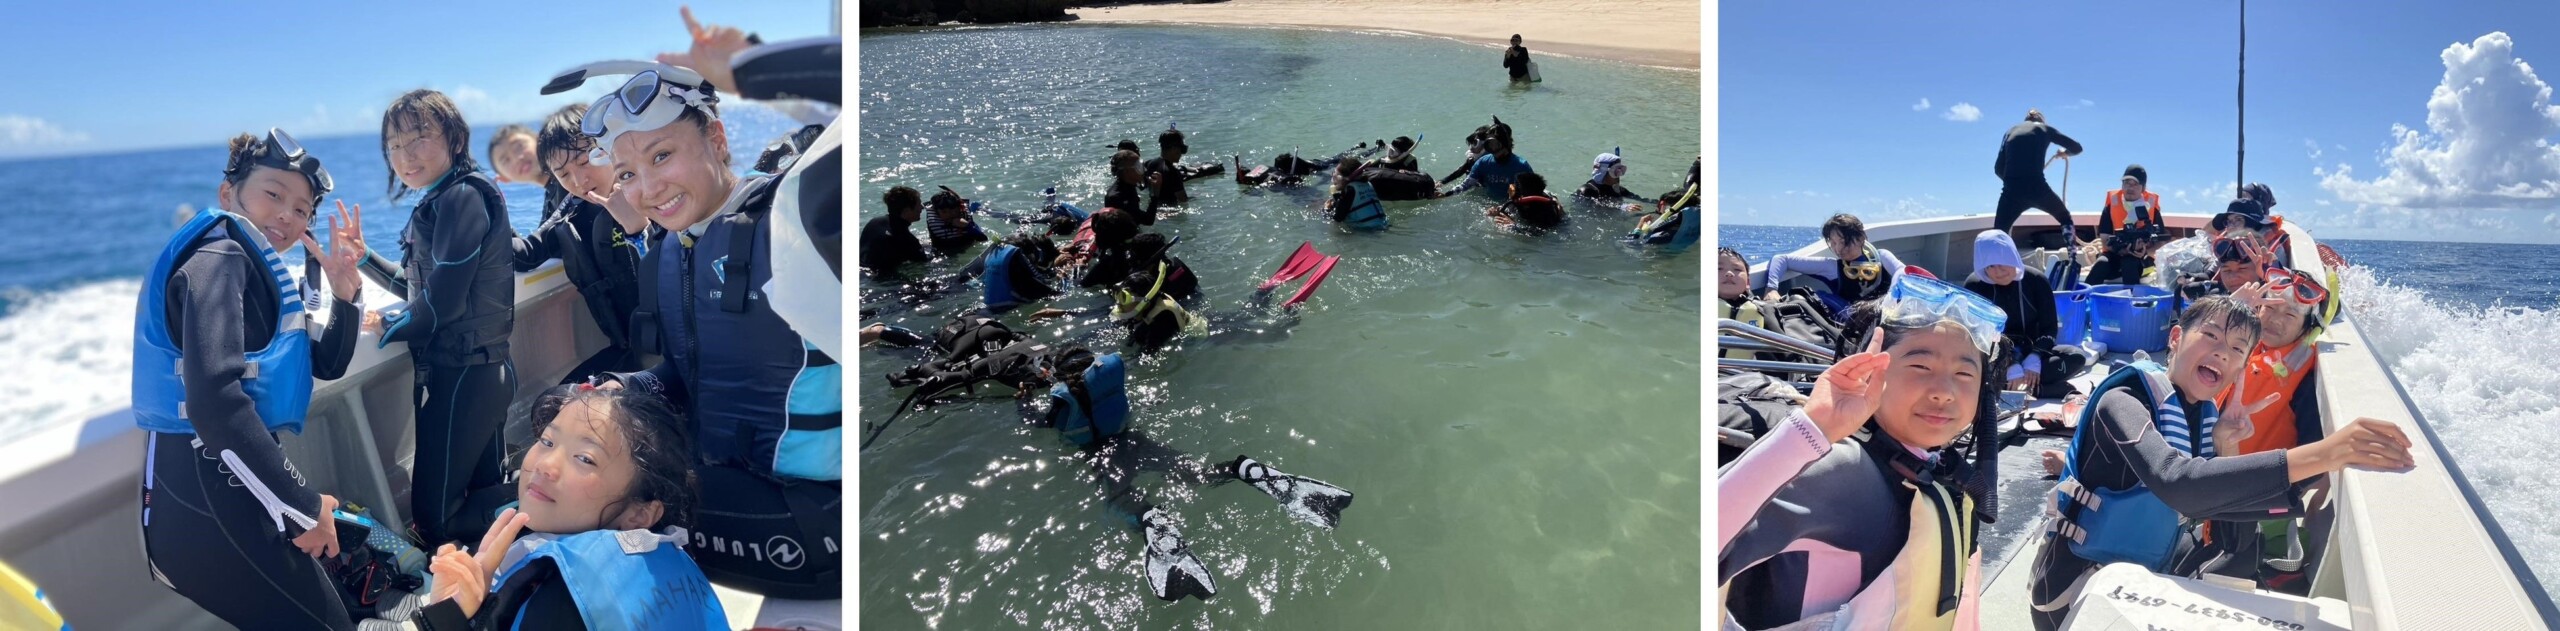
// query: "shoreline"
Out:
[1542,24]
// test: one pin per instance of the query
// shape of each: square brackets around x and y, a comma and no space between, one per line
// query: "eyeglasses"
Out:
[417,147]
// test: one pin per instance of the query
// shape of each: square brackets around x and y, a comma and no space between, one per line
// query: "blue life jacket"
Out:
[998,280]
[278,377]
[1366,213]
[1107,414]
[2130,525]
[761,396]
[626,580]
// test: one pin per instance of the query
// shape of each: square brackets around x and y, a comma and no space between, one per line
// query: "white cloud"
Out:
[2313,146]
[1921,106]
[1963,113]
[2487,142]
[28,132]
[518,106]
[2082,104]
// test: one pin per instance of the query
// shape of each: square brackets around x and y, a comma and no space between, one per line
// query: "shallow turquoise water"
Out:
[1518,415]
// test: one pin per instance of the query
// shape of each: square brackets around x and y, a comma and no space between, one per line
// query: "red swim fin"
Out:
[1314,279]
[1300,262]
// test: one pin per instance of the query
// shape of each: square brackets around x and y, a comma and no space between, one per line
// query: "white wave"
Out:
[66,353]
[2481,377]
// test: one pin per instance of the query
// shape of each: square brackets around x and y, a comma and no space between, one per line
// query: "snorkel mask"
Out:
[1608,165]
[1917,301]
[656,94]
[279,150]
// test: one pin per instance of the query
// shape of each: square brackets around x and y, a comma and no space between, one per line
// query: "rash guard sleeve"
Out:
[2244,487]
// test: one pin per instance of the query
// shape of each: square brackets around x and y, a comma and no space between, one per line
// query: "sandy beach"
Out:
[1649,32]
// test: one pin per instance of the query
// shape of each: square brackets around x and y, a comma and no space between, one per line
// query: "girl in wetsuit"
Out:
[1875,532]
[597,242]
[462,296]
[607,492]
[223,360]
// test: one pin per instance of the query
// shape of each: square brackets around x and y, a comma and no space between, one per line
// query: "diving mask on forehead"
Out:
[655,95]
[1917,301]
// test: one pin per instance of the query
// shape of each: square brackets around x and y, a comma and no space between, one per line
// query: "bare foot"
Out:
[2054,461]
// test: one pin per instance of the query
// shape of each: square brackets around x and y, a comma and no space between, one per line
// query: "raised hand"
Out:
[1849,393]
[458,579]
[493,544]
[713,48]
[346,250]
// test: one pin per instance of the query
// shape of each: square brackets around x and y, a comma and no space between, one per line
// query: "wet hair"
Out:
[1346,168]
[560,139]
[1040,248]
[1113,227]
[244,153]
[654,434]
[1845,226]
[1067,365]
[1123,160]
[423,110]
[2220,309]
[1529,184]
[1402,144]
[947,199]
[1727,252]
[900,198]
[1171,138]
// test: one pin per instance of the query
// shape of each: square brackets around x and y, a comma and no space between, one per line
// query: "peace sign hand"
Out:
[346,249]
[1849,393]
[501,535]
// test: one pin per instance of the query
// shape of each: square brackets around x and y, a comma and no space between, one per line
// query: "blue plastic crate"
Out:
[2073,309]
[2130,318]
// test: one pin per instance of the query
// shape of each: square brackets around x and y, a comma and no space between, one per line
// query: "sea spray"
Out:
[65,354]
[2482,377]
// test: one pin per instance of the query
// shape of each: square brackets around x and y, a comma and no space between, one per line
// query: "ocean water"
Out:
[1518,415]
[2455,334]
[77,234]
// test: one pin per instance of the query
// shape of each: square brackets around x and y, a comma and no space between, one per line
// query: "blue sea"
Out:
[1517,414]
[77,233]
[2468,328]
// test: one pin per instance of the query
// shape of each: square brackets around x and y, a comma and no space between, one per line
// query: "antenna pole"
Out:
[2240,169]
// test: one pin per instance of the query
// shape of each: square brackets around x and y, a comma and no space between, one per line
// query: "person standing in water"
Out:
[1164,175]
[223,358]
[763,404]
[2021,171]
[1516,59]
[598,246]
[462,301]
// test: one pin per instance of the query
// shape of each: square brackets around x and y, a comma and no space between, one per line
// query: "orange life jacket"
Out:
[2116,209]
[2278,371]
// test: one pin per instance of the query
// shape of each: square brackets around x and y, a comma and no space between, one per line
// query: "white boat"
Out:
[70,516]
[2413,550]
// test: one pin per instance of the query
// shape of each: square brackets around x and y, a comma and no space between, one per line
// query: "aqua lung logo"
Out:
[720,273]
[784,553]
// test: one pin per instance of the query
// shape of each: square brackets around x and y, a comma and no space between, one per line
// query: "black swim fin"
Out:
[1310,500]
[1172,571]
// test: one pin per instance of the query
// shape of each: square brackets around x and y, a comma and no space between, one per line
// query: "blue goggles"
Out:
[1917,301]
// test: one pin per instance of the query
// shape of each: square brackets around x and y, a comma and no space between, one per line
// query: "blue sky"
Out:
[106,76]
[2350,118]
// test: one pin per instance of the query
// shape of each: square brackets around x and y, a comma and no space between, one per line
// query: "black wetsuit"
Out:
[220,508]
[1124,196]
[1516,60]
[1169,192]
[2116,268]
[461,312]
[2234,491]
[2021,169]
[532,598]
[603,264]
[888,244]
[1597,192]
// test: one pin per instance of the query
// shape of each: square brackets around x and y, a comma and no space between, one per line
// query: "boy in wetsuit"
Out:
[887,242]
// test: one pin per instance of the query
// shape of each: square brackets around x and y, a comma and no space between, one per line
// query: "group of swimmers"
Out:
[1859,512]
[689,452]
[1156,297]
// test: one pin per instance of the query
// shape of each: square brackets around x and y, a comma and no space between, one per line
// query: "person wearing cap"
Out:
[2027,297]
[2021,170]
[2133,207]
[1516,59]
[2246,220]
[949,225]
[224,355]
[1606,171]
